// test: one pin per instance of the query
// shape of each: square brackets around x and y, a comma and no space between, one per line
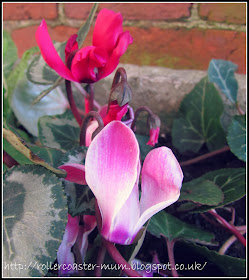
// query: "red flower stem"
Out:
[96,105]
[112,250]
[213,222]
[87,105]
[100,260]
[84,126]
[202,157]
[78,259]
[72,103]
[137,112]
[228,226]
[114,253]
[91,97]
[170,248]
[239,109]
[8,160]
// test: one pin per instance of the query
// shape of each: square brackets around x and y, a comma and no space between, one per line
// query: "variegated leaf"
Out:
[34,220]
[60,132]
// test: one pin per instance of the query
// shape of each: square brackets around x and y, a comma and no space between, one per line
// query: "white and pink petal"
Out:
[161,183]
[111,169]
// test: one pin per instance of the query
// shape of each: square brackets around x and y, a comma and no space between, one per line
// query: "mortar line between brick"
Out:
[61,12]
[13,25]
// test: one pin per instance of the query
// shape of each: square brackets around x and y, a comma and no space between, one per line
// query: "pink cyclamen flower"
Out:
[112,169]
[90,63]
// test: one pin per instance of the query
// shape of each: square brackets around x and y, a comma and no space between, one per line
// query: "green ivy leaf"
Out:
[18,131]
[34,219]
[20,145]
[201,191]
[232,183]
[9,53]
[50,155]
[230,266]
[186,206]
[19,71]
[199,121]
[15,154]
[236,137]
[60,132]
[28,114]
[172,228]
[5,168]
[10,82]
[221,72]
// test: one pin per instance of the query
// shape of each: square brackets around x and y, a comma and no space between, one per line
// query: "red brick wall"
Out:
[173,35]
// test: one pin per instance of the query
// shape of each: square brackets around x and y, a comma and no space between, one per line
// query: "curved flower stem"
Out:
[120,90]
[100,260]
[213,222]
[72,103]
[208,155]
[170,248]
[84,126]
[239,109]
[114,253]
[8,160]
[119,73]
[228,226]
[137,112]
[84,93]
[228,243]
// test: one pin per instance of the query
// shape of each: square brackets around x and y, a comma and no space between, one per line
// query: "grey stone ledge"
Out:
[160,88]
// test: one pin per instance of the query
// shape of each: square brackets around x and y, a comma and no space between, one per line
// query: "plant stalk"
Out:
[84,126]
[228,226]
[100,260]
[203,157]
[84,93]
[8,160]
[112,250]
[228,243]
[170,248]
[114,253]
[72,103]
[47,91]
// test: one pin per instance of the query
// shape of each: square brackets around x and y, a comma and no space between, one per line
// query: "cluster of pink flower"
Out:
[112,165]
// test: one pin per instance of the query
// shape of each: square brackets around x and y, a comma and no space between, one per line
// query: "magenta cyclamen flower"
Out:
[74,234]
[112,169]
[90,63]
